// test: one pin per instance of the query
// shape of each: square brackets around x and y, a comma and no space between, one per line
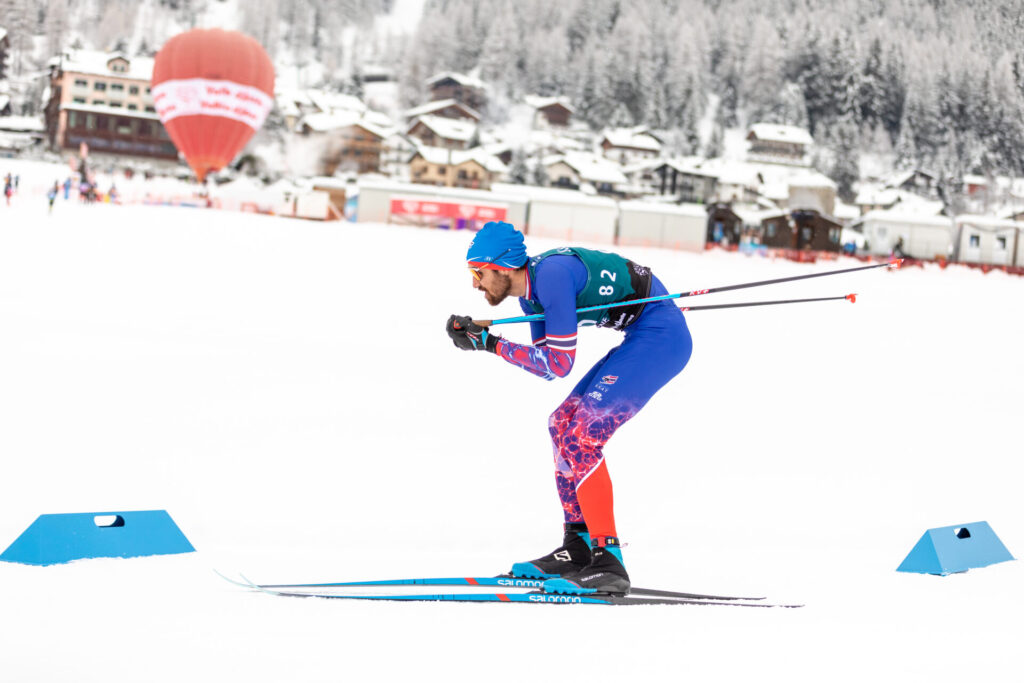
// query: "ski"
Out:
[532,597]
[501,581]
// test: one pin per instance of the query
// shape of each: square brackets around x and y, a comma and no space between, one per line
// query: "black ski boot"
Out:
[572,555]
[606,572]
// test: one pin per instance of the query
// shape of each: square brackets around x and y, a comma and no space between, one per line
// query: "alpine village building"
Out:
[103,100]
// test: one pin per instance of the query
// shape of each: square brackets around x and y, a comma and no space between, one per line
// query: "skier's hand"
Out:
[469,336]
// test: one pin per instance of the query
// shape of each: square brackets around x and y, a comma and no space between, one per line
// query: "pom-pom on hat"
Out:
[498,246]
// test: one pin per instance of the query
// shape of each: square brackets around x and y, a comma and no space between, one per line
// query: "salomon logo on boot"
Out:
[606,573]
[571,556]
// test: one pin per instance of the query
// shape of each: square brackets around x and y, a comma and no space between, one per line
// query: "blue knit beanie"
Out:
[498,245]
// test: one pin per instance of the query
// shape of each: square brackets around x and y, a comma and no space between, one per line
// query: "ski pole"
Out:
[852,298]
[895,263]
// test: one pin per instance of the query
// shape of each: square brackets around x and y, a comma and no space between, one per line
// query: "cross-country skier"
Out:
[656,348]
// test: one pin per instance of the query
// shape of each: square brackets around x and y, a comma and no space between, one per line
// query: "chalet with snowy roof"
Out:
[629,145]
[348,142]
[682,179]
[574,170]
[103,99]
[550,111]
[448,167]
[437,131]
[449,109]
[778,143]
[737,181]
[295,104]
[810,190]
[18,133]
[467,90]
[916,181]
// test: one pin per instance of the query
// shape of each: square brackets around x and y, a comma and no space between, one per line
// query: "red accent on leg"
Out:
[595,496]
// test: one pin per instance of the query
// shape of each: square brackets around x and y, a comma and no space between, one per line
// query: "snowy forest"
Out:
[939,84]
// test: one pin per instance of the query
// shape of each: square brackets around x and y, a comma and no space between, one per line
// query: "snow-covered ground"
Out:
[286,391]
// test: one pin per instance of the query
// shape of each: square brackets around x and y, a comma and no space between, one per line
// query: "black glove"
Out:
[469,336]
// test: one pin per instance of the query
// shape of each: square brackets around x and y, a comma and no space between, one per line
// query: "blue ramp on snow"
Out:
[53,539]
[952,549]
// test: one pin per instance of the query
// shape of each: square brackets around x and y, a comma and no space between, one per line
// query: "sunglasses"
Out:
[478,273]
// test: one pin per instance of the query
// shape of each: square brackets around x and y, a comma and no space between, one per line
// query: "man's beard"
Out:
[502,283]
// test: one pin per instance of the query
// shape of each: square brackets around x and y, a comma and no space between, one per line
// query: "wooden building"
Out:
[104,100]
[436,131]
[349,143]
[473,169]
[802,229]
[683,181]
[778,143]
[550,111]
[918,182]
[459,87]
[630,145]
[449,109]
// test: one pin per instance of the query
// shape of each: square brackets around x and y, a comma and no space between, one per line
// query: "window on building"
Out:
[151,109]
[975,241]
[101,103]
[81,83]
[79,100]
[72,119]
[133,90]
[117,87]
[441,170]
[90,121]
[123,125]
[102,122]
[1001,242]
[116,105]
[145,128]
[133,107]
[147,89]
[99,86]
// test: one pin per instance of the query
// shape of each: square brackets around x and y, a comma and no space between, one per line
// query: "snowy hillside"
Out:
[286,391]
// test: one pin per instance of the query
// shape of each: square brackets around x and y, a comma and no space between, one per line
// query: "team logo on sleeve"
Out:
[609,379]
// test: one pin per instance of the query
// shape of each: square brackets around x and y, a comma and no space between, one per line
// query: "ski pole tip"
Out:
[852,298]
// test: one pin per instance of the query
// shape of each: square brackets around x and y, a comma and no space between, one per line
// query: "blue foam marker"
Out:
[54,539]
[952,549]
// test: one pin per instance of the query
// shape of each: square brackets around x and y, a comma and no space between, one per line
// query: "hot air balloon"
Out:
[212,90]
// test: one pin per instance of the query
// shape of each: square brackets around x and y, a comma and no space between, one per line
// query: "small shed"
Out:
[802,229]
[376,200]
[674,226]
[566,215]
[988,240]
[925,236]
[723,225]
